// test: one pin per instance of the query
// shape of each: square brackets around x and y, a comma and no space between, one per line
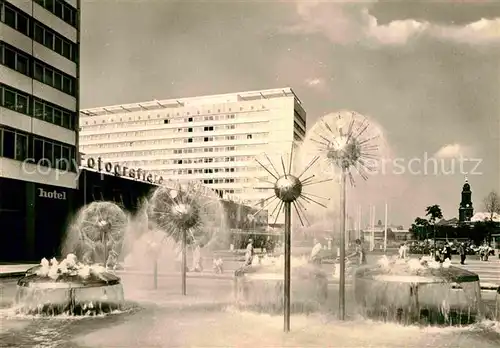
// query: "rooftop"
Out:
[192,101]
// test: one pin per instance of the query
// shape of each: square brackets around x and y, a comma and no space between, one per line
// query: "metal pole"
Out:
[385,229]
[342,248]
[434,234]
[155,274]
[184,235]
[359,221]
[288,247]
[105,243]
[373,228]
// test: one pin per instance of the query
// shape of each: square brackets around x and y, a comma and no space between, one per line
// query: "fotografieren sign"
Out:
[52,194]
[119,170]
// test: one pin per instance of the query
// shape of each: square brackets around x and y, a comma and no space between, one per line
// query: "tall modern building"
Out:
[39,54]
[214,139]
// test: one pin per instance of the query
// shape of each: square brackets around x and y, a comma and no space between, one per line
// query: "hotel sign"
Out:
[52,194]
[119,170]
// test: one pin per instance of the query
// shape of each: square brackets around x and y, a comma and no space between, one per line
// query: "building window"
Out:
[60,9]
[14,19]
[11,58]
[54,41]
[14,59]
[13,99]
[54,78]
[21,146]
[41,34]
[9,144]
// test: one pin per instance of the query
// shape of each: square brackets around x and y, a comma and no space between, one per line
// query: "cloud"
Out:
[314,82]
[350,21]
[452,151]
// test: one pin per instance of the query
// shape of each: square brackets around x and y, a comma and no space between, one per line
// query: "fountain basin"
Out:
[260,288]
[97,293]
[497,307]
[437,296]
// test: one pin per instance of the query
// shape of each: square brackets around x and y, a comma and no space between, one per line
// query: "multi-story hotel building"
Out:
[214,139]
[39,54]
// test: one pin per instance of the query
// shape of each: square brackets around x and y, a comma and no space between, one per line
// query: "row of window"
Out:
[21,102]
[218,170]
[140,164]
[22,146]
[177,141]
[60,9]
[119,123]
[15,18]
[165,131]
[174,116]
[299,117]
[27,65]
[298,129]
[148,153]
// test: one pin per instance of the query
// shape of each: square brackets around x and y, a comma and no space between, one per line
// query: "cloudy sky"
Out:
[427,72]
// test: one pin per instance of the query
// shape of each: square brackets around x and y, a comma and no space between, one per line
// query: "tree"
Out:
[419,228]
[492,204]
[480,232]
[434,212]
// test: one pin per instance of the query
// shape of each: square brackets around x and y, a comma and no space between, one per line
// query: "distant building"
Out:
[213,139]
[465,210]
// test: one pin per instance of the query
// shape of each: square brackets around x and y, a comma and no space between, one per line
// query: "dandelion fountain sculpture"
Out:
[403,291]
[342,142]
[79,287]
[261,285]
[187,214]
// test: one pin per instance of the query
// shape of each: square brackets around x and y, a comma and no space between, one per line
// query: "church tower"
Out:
[466,211]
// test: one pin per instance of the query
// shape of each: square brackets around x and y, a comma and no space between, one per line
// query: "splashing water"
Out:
[187,207]
[260,286]
[412,291]
[159,225]
[97,232]
[69,287]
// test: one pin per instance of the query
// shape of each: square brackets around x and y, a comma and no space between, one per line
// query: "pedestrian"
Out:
[197,260]
[218,265]
[359,252]
[249,253]
[462,253]
[315,252]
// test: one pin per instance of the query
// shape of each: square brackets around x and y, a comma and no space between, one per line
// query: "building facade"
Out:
[214,139]
[39,65]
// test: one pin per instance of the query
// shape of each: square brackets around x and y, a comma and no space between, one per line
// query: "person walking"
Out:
[315,252]
[359,252]
[197,261]
[462,253]
[249,253]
